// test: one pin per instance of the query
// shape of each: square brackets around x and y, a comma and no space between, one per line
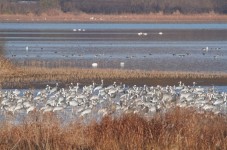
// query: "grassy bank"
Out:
[177,129]
[39,77]
[124,18]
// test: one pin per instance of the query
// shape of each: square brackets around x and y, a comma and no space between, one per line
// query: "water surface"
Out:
[168,47]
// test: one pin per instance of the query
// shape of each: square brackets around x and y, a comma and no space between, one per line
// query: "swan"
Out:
[122,64]
[73,103]
[48,108]
[58,108]
[30,109]
[98,87]
[85,112]
[18,107]
[94,65]
[140,33]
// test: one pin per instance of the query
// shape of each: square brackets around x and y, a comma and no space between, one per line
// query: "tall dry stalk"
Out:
[176,129]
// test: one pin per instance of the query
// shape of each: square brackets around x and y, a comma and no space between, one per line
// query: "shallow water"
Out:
[180,47]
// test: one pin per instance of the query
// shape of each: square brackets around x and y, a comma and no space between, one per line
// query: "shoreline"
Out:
[121,18]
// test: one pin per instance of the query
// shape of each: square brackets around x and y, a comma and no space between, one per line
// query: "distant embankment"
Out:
[113,11]
[122,18]
[114,6]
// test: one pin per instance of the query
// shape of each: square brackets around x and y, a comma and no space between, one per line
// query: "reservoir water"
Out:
[167,47]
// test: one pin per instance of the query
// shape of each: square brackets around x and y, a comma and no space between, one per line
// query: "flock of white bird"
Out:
[116,99]
[145,34]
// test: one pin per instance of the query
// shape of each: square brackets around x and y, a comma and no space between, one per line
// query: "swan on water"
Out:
[94,65]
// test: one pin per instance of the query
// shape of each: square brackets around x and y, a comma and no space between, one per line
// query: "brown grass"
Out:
[38,77]
[177,129]
[5,64]
[82,17]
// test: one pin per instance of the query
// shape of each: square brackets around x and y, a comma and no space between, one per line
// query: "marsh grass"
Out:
[176,129]
[5,64]
[34,76]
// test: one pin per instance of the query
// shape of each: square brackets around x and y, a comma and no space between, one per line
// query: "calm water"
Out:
[108,26]
[174,47]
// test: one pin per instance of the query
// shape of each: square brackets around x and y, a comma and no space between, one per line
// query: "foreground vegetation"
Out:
[176,129]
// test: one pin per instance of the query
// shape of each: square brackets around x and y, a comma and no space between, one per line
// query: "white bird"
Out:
[85,112]
[160,33]
[140,33]
[205,49]
[72,103]
[47,108]
[94,65]
[18,107]
[58,108]
[98,87]
[31,108]
[122,64]
[16,92]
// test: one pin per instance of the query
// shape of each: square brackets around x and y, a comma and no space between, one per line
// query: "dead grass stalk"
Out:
[176,129]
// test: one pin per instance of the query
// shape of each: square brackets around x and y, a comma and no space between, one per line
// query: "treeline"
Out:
[28,6]
[115,6]
[145,6]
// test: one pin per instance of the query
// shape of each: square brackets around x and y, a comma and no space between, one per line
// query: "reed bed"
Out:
[176,129]
[33,76]
[5,64]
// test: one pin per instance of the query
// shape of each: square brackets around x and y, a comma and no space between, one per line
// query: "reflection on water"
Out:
[181,47]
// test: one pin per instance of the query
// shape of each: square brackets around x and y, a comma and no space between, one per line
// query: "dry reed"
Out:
[176,129]
[5,64]
[33,76]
